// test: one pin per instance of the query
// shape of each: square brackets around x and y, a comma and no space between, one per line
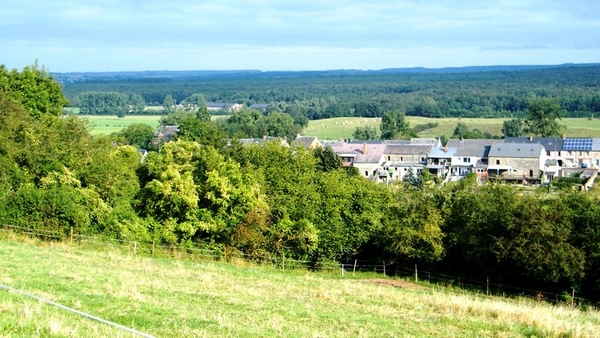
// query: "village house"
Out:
[401,160]
[216,106]
[517,161]
[471,156]
[367,158]
[439,161]
[308,142]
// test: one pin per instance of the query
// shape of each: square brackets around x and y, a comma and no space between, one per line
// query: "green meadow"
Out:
[103,124]
[167,297]
[343,127]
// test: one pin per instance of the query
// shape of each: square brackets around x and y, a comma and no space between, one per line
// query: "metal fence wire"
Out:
[346,269]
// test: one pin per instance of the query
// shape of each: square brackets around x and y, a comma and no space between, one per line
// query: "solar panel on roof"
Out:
[578,144]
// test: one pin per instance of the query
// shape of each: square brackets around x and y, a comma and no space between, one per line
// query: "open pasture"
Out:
[343,127]
[166,297]
[103,124]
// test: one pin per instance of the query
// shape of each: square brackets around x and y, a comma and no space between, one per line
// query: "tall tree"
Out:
[541,117]
[394,126]
[512,128]
[34,87]
[365,133]
[169,104]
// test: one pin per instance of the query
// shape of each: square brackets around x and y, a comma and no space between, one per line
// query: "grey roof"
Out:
[518,150]
[407,149]
[260,106]
[215,105]
[165,132]
[249,141]
[442,152]
[422,140]
[304,141]
[549,143]
[472,147]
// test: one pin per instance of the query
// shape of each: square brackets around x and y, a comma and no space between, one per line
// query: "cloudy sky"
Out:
[124,35]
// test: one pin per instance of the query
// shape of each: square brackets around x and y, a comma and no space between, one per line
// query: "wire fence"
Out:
[346,269]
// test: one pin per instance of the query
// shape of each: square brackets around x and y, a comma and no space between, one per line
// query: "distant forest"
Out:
[449,92]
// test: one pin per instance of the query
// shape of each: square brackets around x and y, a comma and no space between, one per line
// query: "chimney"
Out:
[446,149]
[462,138]
[364,148]
[564,136]
[264,137]
[530,138]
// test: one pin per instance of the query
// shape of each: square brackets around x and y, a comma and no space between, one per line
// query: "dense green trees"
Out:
[394,126]
[541,117]
[109,103]
[370,94]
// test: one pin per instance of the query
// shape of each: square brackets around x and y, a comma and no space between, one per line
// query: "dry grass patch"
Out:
[183,298]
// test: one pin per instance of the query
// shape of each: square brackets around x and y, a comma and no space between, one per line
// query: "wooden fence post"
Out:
[342,270]
[153,241]
[71,235]
[354,268]
[416,274]
[487,286]
[384,268]
[134,248]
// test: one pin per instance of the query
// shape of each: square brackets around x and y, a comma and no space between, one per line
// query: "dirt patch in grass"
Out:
[397,283]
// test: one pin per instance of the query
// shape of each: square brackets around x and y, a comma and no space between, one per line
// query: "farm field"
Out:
[343,127]
[165,297]
[103,124]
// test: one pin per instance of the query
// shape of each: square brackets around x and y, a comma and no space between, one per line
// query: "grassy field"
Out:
[102,124]
[343,127]
[186,298]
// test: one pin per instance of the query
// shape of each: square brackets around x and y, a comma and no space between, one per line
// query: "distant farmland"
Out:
[343,127]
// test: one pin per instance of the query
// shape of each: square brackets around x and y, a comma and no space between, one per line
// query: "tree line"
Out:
[204,189]
[317,96]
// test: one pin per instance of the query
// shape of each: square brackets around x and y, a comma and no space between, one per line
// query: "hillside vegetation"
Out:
[166,297]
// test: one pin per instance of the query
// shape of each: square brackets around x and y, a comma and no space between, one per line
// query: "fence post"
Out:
[384,268]
[354,268]
[487,286]
[342,270]
[416,274]
[153,241]
[573,297]
[134,248]
[71,235]
[282,260]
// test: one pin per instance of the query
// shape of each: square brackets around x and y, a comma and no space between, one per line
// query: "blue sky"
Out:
[127,35]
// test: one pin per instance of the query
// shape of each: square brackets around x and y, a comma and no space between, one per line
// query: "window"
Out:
[422,159]
[498,162]
[366,173]
[467,160]
[389,158]
[547,153]
[401,158]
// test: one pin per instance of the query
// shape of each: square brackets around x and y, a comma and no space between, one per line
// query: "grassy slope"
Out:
[343,127]
[172,298]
